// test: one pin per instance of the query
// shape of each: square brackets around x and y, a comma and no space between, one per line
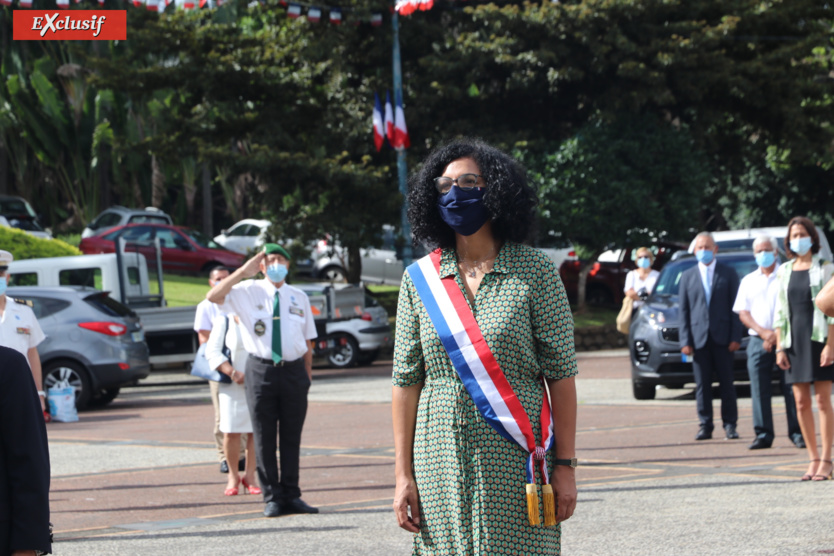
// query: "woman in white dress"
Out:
[642,278]
[234,413]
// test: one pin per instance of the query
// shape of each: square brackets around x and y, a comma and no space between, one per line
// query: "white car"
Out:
[246,236]
[742,240]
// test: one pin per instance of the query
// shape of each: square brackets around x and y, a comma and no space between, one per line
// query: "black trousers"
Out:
[714,360]
[277,399]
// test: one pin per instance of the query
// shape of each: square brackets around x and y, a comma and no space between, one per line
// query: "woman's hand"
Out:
[237,376]
[405,498]
[782,361]
[564,491]
[827,356]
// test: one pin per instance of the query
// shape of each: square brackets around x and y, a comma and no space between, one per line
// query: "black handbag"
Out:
[200,367]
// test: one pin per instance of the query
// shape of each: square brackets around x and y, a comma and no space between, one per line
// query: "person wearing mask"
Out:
[24,462]
[277,329]
[804,338]
[207,313]
[640,281]
[19,329]
[482,314]
[755,305]
[710,332]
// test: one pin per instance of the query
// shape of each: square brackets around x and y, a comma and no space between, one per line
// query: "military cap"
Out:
[271,248]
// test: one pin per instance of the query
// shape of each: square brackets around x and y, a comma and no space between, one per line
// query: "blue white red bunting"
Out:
[476,365]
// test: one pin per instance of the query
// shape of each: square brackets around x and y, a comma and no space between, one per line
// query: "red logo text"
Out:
[70,25]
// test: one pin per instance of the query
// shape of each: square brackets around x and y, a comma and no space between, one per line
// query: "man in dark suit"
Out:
[710,332]
[24,461]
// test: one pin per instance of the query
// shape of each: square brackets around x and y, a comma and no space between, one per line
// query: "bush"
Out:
[25,246]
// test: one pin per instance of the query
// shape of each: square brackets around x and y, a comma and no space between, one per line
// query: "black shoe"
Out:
[298,506]
[730,432]
[224,467]
[798,441]
[760,443]
[704,433]
[241,465]
[272,509]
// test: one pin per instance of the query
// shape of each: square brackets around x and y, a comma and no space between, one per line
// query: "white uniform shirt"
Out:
[207,313]
[634,281]
[757,294]
[19,329]
[252,301]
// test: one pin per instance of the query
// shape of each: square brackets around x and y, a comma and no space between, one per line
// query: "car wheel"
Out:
[104,397]
[643,390]
[367,357]
[74,373]
[344,356]
[334,274]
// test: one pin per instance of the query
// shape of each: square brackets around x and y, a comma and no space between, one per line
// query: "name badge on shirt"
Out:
[22,330]
[297,311]
[260,328]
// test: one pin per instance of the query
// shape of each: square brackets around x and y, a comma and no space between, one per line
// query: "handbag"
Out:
[200,368]
[624,317]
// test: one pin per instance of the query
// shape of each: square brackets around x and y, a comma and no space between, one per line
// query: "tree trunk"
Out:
[105,197]
[157,183]
[581,285]
[354,264]
[189,184]
[4,170]
[208,225]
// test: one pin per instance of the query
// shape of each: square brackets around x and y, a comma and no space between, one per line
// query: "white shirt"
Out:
[707,273]
[207,313]
[757,294]
[231,338]
[252,301]
[633,281]
[19,329]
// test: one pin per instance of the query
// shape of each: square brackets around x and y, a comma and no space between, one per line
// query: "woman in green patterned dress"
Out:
[460,486]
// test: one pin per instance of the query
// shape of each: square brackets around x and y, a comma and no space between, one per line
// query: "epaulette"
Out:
[27,302]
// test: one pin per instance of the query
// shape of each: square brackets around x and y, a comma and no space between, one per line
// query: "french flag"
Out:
[389,118]
[335,16]
[314,15]
[60,3]
[408,7]
[5,2]
[25,3]
[379,135]
[293,11]
[401,138]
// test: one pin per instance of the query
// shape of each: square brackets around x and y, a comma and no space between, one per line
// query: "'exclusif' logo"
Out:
[58,25]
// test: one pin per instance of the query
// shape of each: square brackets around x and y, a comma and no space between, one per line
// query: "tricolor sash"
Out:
[483,378]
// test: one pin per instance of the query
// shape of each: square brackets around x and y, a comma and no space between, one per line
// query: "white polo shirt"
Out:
[757,294]
[252,301]
[19,329]
[207,312]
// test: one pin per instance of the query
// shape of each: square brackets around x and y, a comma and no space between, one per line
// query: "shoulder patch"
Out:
[27,302]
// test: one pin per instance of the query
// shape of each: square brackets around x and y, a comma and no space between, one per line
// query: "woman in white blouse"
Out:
[641,278]
[234,413]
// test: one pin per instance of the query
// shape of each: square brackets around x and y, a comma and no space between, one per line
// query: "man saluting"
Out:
[277,326]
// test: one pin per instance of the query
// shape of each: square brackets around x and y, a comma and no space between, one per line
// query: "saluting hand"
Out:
[253,265]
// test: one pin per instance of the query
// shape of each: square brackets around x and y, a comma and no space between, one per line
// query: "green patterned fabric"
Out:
[470,479]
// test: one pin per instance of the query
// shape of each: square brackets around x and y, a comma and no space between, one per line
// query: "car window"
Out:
[90,277]
[148,219]
[240,231]
[108,220]
[134,233]
[23,279]
[200,239]
[166,238]
[16,206]
[253,231]
[45,306]
[668,283]
[107,305]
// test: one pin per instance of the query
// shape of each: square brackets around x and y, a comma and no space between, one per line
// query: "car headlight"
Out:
[641,350]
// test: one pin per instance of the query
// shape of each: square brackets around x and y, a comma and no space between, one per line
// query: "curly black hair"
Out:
[509,199]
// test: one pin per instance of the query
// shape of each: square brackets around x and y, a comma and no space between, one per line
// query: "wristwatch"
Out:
[569,462]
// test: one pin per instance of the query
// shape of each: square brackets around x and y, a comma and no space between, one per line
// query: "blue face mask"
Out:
[276,272]
[463,211]
[644,262]
[801,246]
[765,259]
[704,256]
[4,283]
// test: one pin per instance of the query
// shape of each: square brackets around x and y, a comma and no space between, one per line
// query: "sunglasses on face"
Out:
[464,181]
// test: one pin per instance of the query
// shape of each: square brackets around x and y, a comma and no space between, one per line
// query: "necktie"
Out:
[707,285]
[276,329]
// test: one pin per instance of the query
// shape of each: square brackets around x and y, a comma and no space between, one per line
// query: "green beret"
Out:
[271,248]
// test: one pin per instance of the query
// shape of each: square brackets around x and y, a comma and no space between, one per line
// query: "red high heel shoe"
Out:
[233,491]
[250,488]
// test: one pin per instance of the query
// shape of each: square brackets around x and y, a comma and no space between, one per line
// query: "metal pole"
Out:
[402,168]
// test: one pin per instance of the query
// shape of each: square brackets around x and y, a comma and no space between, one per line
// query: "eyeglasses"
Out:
[464,181]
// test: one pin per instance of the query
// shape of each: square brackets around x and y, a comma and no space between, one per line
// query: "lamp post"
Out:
[402,169]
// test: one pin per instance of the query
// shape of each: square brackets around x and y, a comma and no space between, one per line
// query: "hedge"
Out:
[26,246]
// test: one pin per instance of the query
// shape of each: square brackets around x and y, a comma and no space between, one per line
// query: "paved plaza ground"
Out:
[141,477]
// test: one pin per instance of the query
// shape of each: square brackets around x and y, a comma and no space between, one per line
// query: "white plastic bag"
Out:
[61,399]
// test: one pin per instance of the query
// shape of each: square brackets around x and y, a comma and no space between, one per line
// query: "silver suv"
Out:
[119,216]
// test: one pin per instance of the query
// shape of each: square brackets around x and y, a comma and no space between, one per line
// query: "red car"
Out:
[183,249]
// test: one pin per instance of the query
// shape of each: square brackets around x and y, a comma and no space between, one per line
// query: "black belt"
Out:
[271,363]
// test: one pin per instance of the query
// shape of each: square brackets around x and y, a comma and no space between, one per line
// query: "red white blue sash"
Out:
[476,365]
